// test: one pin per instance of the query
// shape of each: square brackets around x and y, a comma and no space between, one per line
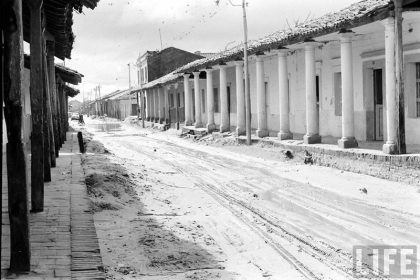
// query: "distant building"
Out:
[155,64]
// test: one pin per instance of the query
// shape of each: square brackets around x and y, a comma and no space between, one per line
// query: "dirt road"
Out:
[213,213]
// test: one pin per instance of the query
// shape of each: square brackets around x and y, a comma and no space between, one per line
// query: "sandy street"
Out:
[200,211]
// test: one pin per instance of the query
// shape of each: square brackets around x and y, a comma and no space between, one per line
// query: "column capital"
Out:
[346,35]
[388,22]
[239,63]
[260,58]
[209,70]
[310,44]
[186,75]
[221,66]
[196,74]
[282,51]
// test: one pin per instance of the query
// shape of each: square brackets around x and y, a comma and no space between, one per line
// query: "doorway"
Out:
[378,104]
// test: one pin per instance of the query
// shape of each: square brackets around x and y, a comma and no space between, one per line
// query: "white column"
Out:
[148,112]
[312,119]
[160,104]
[390,146]
[152,105]
[166,103]
[156,104]
[261,99]
[187,102]
[284,132]
[197,100]
[240,98]
[210,101]
[348,140]
[224,112]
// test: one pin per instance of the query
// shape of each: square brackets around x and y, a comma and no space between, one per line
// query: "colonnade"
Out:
[312,135]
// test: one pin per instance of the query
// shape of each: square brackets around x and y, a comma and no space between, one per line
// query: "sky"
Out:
[116,32]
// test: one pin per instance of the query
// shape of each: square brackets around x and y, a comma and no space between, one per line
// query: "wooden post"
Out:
[16,165]
[37,101]
[45,124]
[53,95]
[58,106]
[48,107]
[66,105]
[399,77]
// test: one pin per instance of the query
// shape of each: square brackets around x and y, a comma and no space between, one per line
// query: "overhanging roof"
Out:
[59,22]
[66,74]
[357,14]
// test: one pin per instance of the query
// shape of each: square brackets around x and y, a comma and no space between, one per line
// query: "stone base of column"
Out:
[346,142]
[262,133]
[240,131]
[161,121]
[187,123]
[148,119]
[312,139]
[389,148]
[198,125]
[210,127]
[285,135]
[224,128]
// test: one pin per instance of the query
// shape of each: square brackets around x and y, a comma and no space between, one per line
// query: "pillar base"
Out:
[188,123]
[390,148]
[224,128]
[148,119]
[210,127]
[198,125]
[285,135]
[347,142]
[240,131]
[312,139]
[161,121]
[262,133]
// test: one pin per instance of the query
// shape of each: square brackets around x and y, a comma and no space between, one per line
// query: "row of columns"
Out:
[48,110]
[157,104]
[312,135]
[312,116]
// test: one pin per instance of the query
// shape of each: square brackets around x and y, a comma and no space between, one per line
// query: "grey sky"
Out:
[114,34]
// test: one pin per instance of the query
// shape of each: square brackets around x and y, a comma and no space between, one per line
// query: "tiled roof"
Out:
[357,14]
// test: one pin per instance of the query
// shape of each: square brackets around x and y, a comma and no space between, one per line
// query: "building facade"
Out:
[333,77]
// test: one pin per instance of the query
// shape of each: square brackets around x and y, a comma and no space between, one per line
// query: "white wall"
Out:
[368,53]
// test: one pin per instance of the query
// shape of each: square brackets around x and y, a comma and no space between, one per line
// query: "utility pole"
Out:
[100,101]
[129,89]
[160,36]
[399,80]
[247,93]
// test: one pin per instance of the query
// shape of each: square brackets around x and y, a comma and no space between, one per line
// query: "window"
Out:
[228,94]
[337,93]
[418,90]
[216,100]
[171,101]
[317,88]
[203,100]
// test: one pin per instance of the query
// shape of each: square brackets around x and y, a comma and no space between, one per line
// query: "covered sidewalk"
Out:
[63,239]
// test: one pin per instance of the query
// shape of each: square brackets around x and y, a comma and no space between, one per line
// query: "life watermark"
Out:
[387,261]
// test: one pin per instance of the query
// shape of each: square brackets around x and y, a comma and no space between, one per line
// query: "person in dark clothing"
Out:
[81,121]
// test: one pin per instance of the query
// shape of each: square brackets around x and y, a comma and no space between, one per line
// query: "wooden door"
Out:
[378,101]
